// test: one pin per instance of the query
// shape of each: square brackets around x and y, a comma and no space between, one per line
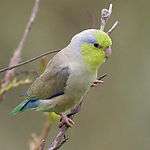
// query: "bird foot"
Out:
[96,82]
[66,120]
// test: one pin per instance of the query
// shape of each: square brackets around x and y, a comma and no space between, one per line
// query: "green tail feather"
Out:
[18,108]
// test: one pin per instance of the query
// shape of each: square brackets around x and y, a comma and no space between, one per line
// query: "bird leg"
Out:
[66,120]
[96,82]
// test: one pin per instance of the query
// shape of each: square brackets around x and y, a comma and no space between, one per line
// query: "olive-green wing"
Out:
[52,82]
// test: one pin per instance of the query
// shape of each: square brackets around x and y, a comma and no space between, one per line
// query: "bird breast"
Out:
[79,81]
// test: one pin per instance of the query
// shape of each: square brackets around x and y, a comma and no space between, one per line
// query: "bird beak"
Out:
[108,52]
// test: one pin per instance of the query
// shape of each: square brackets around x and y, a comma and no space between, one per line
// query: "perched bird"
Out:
[68,75]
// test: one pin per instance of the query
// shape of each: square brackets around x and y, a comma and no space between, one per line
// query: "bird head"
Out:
[94,46]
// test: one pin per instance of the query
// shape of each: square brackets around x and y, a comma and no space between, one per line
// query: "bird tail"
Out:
[25,105]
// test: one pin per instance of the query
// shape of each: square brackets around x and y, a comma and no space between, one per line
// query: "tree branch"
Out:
[38,142]
[17,53]
[27,61]
[105,15]
[113,27]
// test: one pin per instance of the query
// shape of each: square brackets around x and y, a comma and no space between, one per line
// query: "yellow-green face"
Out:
[94,53]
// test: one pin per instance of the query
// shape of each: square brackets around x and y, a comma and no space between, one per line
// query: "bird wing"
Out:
[53,81]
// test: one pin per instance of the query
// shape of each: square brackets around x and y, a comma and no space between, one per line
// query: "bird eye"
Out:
[97,45]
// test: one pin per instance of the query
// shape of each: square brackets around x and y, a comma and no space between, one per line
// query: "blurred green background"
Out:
[115,116]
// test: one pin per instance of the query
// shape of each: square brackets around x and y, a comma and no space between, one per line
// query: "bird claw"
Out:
[96,82]
[65,120]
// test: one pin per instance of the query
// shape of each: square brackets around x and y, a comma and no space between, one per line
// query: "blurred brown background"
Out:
[115,116]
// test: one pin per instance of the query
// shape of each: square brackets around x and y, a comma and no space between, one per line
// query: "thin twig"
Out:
[17,53]
[59,140]
[105,15]
[38,142]
[27,61]
[113,27]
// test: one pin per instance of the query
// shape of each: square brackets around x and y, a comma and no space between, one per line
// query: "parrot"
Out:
[68,75]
